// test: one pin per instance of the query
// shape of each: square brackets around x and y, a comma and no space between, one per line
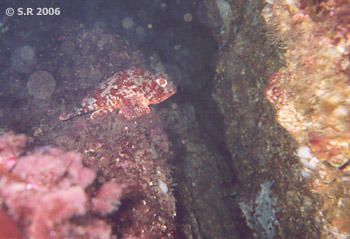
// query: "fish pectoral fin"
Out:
[134,108]
[98,113]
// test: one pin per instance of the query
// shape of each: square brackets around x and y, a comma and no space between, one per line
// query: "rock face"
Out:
[130,184]
[130,153]
[271,194]
[126,171]
[203,180]
[311,96]
[291,163]
[259,124]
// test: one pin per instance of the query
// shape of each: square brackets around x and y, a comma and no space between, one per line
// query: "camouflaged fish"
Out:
[130,91]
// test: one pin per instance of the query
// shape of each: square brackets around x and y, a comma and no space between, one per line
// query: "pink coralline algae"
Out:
[9,228]
[130,91]
[44,193]
[11,147]
[105,202]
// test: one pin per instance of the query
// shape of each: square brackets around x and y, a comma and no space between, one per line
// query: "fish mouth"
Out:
[173,92]
[171,88]
[170,93]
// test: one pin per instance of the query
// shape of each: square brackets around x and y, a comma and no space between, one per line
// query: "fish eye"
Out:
[162,82]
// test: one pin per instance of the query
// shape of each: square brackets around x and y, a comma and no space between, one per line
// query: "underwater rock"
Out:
[260,149]
[91,54]
[219,15]
[41,85]
[200,173]
[132,153]
[23,59]
[311,96]
[261,212]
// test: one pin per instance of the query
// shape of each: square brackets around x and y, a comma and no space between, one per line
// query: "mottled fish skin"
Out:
[130,91]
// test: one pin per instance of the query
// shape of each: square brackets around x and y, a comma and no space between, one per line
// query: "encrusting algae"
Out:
[311,96]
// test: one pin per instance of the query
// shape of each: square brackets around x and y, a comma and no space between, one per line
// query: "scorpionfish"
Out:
[130,91]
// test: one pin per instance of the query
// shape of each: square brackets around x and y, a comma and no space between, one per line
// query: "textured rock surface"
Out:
[205,187]
[311,96]
[262,152]
[128,173]
[259,124]
[131,153]
[75,59]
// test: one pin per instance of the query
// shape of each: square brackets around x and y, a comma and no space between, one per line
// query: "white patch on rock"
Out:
[163,186]
[306,158]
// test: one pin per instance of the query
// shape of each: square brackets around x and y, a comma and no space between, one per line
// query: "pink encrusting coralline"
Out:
[9,228]
[105,202]
[11,147]
[130,91]
[44,193]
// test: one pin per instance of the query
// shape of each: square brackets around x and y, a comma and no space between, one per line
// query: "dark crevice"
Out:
[198,70]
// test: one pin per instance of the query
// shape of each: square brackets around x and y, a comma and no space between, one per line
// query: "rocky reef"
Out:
[311,96]
[270,191]
[55,196]
[204,185]
[254,144]
[295,55]
[131,153]
[117,183]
